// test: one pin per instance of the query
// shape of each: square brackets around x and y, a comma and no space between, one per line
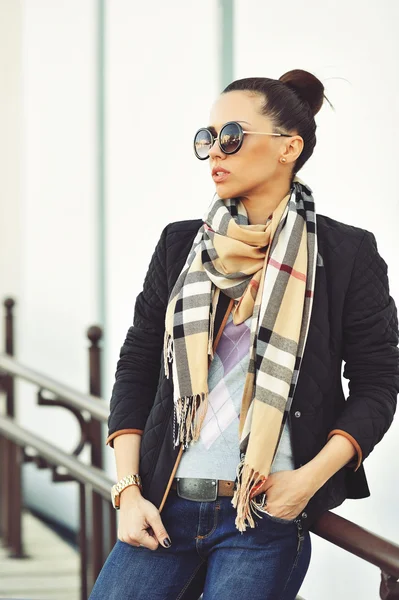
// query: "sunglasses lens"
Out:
[202,143]
[230,138]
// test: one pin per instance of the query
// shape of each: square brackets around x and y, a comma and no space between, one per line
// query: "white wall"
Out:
[10,151]
[58,299]
[353,48]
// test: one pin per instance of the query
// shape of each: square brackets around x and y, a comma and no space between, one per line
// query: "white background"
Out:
[162,75]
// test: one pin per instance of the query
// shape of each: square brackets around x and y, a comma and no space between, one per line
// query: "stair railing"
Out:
[18,445]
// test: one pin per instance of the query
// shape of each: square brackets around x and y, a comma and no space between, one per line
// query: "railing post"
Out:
[6,445]
[389,588]
[97,538]
[15,510]
[4,478]
[83,541]
[11,501]
[9,304]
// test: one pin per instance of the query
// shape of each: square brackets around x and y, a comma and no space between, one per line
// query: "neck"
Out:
[260,205]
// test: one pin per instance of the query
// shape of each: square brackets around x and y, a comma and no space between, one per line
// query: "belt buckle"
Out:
[199,490]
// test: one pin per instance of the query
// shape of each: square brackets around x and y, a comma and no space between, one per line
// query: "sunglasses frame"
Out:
[241,131]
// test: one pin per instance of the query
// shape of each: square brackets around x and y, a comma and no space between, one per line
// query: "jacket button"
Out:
[297,414]
[304,515]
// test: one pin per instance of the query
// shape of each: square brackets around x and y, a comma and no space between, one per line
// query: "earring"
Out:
[283,160]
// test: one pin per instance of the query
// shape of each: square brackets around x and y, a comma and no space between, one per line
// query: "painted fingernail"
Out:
[167,542]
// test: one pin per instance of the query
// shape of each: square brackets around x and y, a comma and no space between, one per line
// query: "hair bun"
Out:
[307,87]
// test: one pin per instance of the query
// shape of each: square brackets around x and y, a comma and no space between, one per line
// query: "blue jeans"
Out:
[208,554]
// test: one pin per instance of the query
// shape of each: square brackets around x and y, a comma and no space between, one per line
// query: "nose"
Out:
[215,151]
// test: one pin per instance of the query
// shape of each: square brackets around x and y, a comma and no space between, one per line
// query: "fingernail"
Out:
[167,542]
[255,489]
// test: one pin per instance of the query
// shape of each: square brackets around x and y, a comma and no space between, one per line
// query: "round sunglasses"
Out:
[230,139]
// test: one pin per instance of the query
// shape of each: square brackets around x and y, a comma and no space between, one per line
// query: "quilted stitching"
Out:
[135,395]
[370,349]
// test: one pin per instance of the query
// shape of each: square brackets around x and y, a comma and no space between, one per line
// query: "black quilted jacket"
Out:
[354,320]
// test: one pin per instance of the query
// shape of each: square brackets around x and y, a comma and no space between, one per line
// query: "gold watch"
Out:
[118,488]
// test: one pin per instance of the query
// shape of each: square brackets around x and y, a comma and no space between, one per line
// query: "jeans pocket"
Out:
[278,519]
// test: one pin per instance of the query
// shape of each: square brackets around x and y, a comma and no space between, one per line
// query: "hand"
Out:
[287,493]
[140,522]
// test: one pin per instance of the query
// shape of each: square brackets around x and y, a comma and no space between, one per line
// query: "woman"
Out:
[229,452]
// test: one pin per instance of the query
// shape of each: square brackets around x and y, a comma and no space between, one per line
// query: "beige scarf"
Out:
[270,271]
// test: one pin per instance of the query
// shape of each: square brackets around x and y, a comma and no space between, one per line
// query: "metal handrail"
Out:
[97,407]
[85,474]
[335,529]
[358,541]
[368,546]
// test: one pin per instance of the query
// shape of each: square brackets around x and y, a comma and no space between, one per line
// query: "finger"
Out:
[137,541]
[147,540]
[268,483]
[159,530]
[142,538]
[258,488]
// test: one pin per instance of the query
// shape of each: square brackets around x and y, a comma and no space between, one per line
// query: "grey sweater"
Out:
[216,454]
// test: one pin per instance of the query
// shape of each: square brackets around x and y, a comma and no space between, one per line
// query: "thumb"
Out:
[159,530]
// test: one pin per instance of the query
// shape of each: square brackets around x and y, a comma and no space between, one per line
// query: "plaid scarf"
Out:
[269,269]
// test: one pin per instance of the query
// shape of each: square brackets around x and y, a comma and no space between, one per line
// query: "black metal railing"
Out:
[17,445]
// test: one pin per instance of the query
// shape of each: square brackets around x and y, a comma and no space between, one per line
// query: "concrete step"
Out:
[51,571]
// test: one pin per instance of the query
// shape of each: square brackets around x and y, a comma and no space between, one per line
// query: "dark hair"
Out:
[291,102]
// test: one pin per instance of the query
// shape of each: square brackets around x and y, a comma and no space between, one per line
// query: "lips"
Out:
[216,170]
[219,174]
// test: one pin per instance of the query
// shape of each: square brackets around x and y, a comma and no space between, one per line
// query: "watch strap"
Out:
[122,484]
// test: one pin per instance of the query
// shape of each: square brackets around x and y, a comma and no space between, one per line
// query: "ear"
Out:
[292,149]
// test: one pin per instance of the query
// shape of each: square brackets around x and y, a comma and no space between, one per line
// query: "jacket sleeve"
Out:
[137,372]
[370,352]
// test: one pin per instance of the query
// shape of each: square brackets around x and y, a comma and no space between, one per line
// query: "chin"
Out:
[227,191]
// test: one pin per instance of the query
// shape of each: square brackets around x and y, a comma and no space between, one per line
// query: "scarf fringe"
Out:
[247,478]
[190,412]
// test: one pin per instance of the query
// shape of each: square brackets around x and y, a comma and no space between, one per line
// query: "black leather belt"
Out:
[202,490]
